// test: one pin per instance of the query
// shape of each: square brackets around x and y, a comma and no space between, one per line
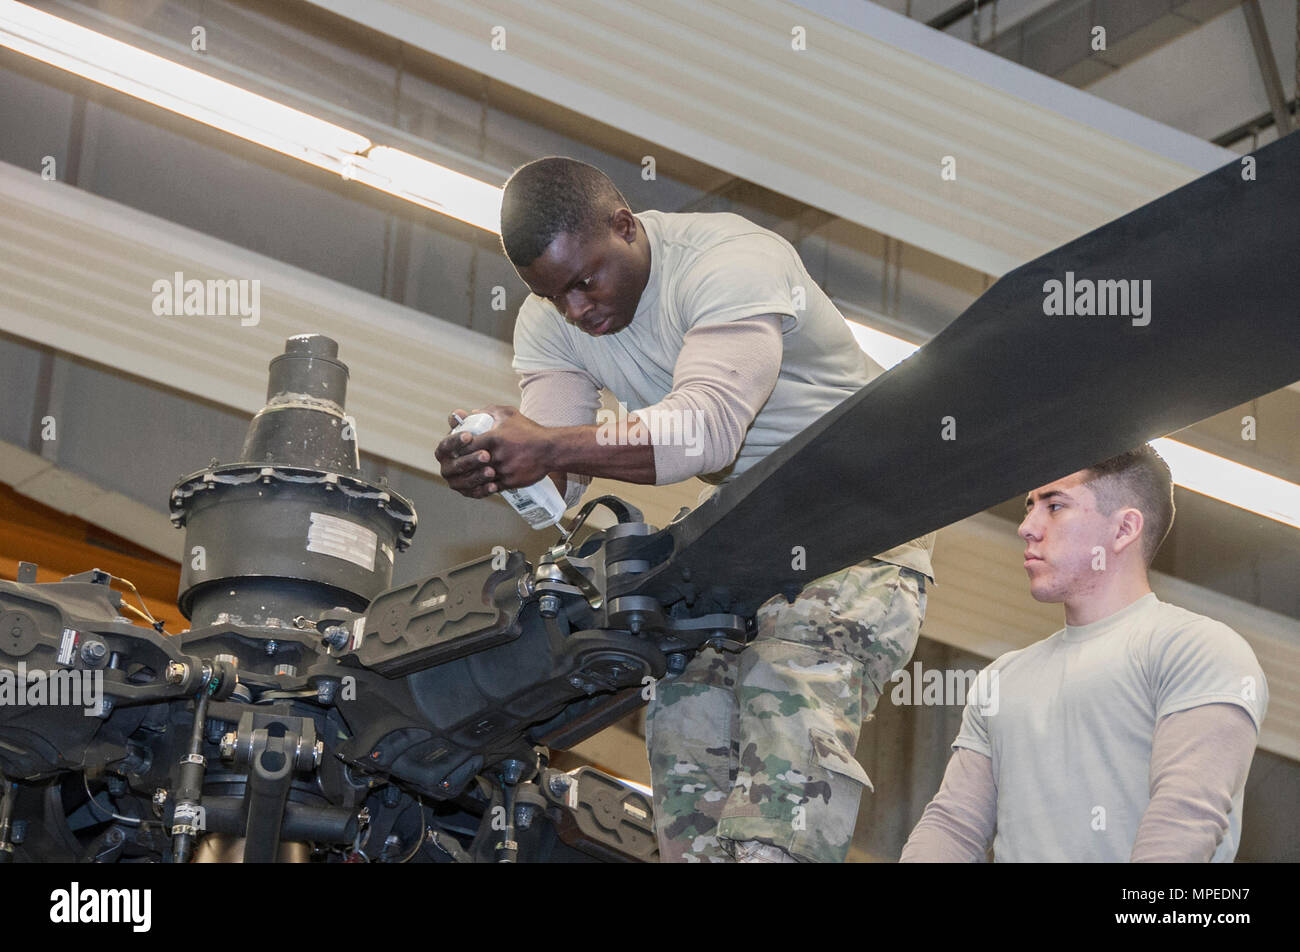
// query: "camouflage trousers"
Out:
[759,745]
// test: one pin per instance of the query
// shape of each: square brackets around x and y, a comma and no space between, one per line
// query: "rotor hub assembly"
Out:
[292,528]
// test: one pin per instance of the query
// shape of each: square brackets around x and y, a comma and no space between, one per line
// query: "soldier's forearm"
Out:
[958,823]
[1199,759]
[582,449]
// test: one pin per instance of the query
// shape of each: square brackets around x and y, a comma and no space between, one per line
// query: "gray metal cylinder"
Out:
[292,529]
[303,422]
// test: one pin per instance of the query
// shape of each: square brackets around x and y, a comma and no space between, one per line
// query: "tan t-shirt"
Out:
[706,271]
[1068,725]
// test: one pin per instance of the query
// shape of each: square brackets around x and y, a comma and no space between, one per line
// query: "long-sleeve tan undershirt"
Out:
[723,376]
[1199,759]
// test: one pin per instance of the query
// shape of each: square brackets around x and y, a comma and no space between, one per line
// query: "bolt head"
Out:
[228,745]
[159,797]
[176,671]
[548,606]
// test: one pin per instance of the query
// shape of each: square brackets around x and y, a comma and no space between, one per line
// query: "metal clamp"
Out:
[623,512]
[594,596]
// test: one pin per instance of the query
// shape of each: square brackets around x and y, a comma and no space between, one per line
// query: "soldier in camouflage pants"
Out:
[759,746]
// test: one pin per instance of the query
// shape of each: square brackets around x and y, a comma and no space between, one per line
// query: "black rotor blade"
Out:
[1032,397]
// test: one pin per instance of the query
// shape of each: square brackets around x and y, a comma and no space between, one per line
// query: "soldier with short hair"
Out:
[1125,736]
[711,322]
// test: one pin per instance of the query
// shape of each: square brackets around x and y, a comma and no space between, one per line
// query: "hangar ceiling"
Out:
[1035,167]
[1190,64]
[722,83]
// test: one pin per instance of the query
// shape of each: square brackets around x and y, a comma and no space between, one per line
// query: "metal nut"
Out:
[228,745]
[336,636]
[177,671]
[559,785]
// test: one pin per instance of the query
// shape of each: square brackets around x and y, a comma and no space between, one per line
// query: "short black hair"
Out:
[1139,478]
[551,197]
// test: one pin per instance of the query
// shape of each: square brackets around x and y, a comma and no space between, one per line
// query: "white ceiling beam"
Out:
[856,124]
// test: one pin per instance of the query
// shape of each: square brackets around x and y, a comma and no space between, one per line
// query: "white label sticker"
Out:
[330,535]
[635,810]
[358,632]
[67,646]
[573,792]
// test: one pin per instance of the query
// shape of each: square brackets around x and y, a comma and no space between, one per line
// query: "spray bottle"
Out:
[540,504]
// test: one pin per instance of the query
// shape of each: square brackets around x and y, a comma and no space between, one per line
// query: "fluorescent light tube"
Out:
[1230,482]
[885,349]
[431,185]
[222,105]
[177,88]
